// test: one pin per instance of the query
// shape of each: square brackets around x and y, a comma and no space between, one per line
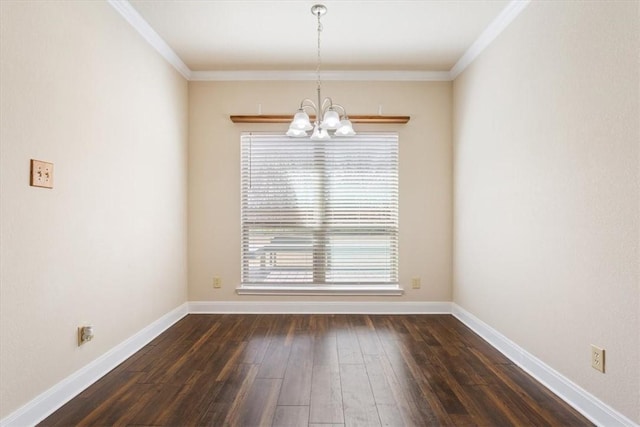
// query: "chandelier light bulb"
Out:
[345,129]
[297,133]
[331,119]
[301,121]
[320,134]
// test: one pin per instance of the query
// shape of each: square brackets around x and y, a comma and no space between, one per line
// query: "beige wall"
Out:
[546,223]
[214,176]
[107,245]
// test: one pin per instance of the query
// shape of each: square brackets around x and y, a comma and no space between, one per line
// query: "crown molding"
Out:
[508,14]
[346,75]
[131,15]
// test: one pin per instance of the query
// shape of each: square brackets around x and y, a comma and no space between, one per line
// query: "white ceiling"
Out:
[374,35]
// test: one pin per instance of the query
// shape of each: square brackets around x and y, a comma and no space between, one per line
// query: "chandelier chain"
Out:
[319,58]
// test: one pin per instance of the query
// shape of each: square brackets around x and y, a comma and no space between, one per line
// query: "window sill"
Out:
[383,290]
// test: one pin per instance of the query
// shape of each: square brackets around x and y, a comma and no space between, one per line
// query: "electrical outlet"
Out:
[41,174]
[415,283]
[217,282]
[85,334]
[597,358]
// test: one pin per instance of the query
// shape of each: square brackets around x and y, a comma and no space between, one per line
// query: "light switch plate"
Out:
[41,174]
[597,358]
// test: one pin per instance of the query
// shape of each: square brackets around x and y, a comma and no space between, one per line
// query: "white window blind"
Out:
[319,213]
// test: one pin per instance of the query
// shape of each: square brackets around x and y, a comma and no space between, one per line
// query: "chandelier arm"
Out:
[327,103]
[308,103]
[344,110]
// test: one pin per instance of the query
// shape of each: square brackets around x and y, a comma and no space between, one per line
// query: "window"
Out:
[319,215]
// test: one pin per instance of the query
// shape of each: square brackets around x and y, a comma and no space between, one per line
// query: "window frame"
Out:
[315,287]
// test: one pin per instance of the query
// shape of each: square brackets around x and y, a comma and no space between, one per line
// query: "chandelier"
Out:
[333,123]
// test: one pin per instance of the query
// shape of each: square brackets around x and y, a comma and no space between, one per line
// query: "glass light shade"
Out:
[296,133]
[345,129]
[331,120]
[301,121]
[320,134]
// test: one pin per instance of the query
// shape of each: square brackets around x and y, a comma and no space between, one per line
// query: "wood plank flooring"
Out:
[317,370]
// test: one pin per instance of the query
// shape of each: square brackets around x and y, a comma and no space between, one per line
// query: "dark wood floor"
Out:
[312,370]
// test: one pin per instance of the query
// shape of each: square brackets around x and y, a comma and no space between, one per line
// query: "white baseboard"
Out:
[319,307]
[49,401]
[52,399]
[588,405]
